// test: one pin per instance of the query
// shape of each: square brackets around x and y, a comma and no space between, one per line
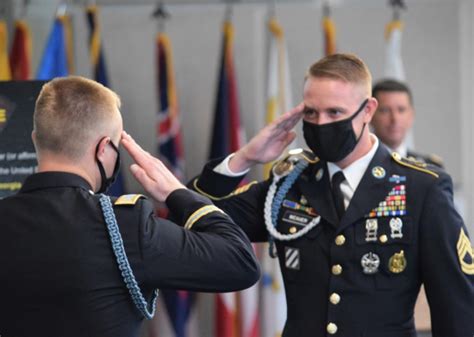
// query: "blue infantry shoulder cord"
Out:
[280,196]
[122,260]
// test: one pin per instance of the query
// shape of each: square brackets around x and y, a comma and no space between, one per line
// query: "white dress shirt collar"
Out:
[355,171]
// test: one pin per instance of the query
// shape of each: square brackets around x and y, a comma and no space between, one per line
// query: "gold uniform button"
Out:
[383,238]
[337,269]
[340,240]
[331,328]
[335,298]
[293,230]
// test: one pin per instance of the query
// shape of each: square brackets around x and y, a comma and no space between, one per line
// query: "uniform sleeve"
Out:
[203,251]
[446,263]
[244,205]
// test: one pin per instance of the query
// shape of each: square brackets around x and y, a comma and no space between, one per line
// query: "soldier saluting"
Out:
[357,229]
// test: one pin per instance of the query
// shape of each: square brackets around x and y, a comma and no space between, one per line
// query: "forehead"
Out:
[325,92]
[393,97]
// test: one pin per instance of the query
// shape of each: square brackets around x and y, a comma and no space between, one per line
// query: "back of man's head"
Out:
[72,114]
[343,67]
[391,85]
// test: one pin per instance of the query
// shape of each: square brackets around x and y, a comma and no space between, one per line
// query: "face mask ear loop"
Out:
[364,103]
[103,176]
[362,106]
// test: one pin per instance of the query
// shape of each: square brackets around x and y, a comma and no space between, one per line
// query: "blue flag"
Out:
[54,62]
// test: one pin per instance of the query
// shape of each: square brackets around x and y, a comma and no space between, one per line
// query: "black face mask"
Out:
[107,182]
[332,142]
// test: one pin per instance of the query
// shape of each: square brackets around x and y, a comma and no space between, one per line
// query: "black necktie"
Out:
[337,179]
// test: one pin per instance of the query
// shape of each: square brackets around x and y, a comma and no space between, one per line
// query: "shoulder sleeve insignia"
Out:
[287,164]
[413,163]
[465,253]
[128,199]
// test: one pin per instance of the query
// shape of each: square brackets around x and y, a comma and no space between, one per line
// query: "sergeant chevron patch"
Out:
[292,258]
[465,253]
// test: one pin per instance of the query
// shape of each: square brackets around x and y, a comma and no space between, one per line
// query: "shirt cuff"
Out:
[223,168]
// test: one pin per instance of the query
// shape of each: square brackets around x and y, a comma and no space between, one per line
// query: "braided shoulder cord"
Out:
[122,260]
[273,202]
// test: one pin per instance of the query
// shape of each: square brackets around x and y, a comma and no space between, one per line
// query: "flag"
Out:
[227,134]
[57,59]
[393,61]
[329,29]
[227,137]
[20,54]
[273,298]
[279,100]
[393,51]
[5,73]
[170,151]
[169,126]
[100,75]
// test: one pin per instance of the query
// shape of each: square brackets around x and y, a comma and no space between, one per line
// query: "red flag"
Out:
[20,54]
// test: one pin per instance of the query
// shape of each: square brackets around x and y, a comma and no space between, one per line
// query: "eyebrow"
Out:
[307,108]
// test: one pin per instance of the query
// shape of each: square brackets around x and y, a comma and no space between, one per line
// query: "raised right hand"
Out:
[149,171]
[269,143]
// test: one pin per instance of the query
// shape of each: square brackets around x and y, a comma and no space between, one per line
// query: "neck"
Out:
[48,163]
[363,147]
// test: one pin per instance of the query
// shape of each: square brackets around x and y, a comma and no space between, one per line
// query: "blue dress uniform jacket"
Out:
[360,276]
[58,274]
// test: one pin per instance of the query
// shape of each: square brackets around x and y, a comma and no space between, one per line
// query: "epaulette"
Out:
[287,164]
[413,163]
[128,199]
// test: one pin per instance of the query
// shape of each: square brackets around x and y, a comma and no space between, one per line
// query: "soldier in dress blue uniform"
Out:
[394,118]
[356,229]
[77,263]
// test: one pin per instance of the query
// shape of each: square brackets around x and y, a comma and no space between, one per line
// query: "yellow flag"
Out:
[5,73]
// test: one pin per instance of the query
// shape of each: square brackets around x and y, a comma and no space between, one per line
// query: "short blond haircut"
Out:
[71,112]
[344,67]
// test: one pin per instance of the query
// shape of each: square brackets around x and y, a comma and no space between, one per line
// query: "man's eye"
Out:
[309,112]
[334,112]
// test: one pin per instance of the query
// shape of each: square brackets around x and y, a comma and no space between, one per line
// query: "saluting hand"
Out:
[149,171]
[269,143]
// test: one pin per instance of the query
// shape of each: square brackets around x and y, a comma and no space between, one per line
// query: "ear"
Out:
[33,137]
[100,149]
[370,109]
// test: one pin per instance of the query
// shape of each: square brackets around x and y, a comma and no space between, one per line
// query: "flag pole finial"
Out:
[272,8]
[397,6]
[326,9]
[229,9]
[161,14]
[62,9]
[24,7]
